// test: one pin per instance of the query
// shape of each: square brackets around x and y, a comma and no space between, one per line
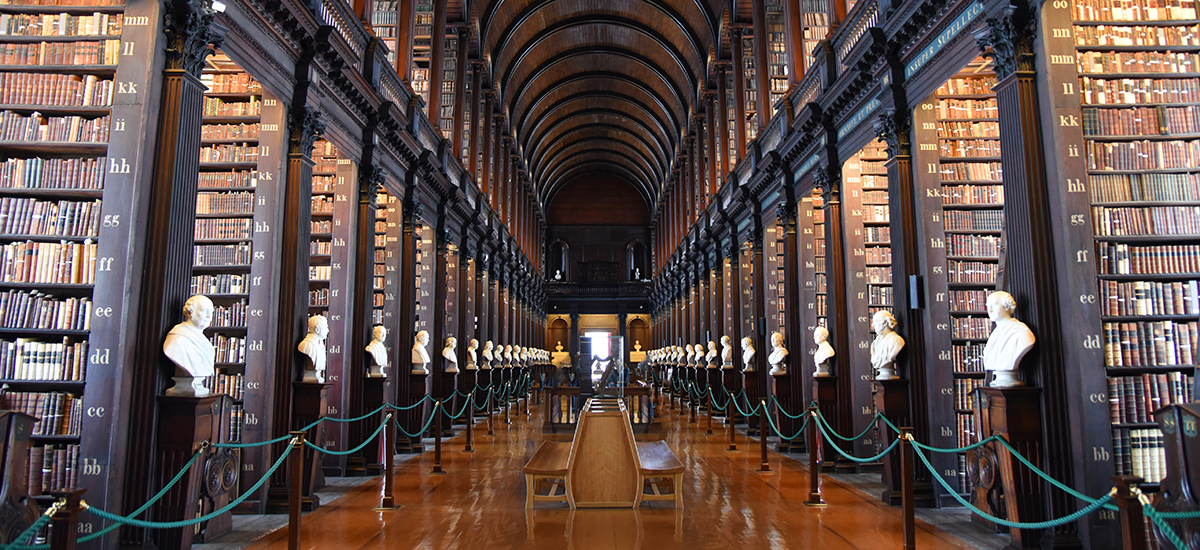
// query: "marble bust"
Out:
[313,346]
[824,351]
[420,357]
[711,356]
[450,356]
[700,356]
[1008,343]
[690,356]
[778,357]
[747,354]
[471,355]
[886,347]
[486,364]
[377,352]
[508,355]
[187,347]
[557,274]
[726,353]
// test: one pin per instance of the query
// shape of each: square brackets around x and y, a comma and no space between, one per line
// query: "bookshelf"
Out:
[449,79]
[384,23]
[815,22]
[731,121]
[751,83]
[774,241]
[379,285]
[422,30]
[777,56]
[320,250]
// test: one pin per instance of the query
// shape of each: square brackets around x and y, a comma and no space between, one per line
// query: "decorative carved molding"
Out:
[892,128]
[827,179]
[192,35]
[370,180]
[1010,38]
[305,126]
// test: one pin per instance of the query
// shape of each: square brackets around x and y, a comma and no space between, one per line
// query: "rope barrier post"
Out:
[491,411]
[692,407]
[470,448]
[507,403]
[732,411]
[710,412]
[909,479]
[765,467]
[1133,523]
[814,461]
[437,440]
[388,445]
[294,491]
[65,520]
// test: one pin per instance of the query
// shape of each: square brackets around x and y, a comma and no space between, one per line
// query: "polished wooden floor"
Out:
[480,504]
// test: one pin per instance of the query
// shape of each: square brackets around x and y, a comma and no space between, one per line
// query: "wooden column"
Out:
[739,91]
[733,376]
[828,179]
[463,33]
[405,333]
[404,38]
[437,56]
[714,175]
[794,35]
[764,108]
[794,327]
[481,129]
[722,112]
[370,178]
[482,309]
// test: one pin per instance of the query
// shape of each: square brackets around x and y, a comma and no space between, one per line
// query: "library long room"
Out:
[447,274]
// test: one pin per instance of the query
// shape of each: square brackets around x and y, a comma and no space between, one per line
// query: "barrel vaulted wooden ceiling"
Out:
[599,86]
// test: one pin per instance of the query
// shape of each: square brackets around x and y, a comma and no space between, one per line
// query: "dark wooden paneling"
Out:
[600,199]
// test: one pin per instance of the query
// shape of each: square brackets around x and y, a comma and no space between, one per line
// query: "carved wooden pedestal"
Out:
[1180,489]
[450,404]
[372,399]
[413,419]
[892,400]
[309,402]
[732,380]
[1015,413]
[825,394]
[467,380]
[183,423]
[17,511]
[713,377]
[781,388]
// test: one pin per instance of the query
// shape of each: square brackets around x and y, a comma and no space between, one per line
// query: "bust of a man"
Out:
[557,274]
[472,357]
[1008,343]
[377,352]
[886,347]
[824,351]
[420,357]
[726,353]
[689,356]
[711,356]
[699,348]
[450,355]
[313,346]
[778,357]
[486,364]
[508,355]
[192,353]
[747,354]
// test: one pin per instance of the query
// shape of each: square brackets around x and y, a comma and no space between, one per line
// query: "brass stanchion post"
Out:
[710,412]
[765,467]
[437,439]
[491,411]
[470,448]
[388,447]
[907,467]
[294,490]
[1133,523]
[732,419]
[814,461]
[65,520]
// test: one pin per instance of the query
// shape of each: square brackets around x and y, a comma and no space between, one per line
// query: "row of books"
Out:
[1140,452]
[820,279]
[969,129]
[1126,35]
[878,255]
[377,299]
[381,226]
[230,131]
[321,226]
[877,234]
[231,83]
[224,228]
[1148,220]
[99,52]
[1144,187]
[1150,297]
[874,197]
[874,168]
[232,315]
[33,359]
[229,153]
[966,429]
[967,108]
[37,127]
[972,194]
[62,2]
[967,357]
[983,246]
[966,271]
[1133,10]
[236,202]
[971,327]
[973,220]
[52,468]
[1137,62]
[964,392]
[879,275]
[968,300]
[1141,121]
[1143,155]
[968,86]
[1125,259]
[55,89]
[875,213]
[217,107]
[226,384]
[26,216]
[232,178]
[61,24]
[221,255]
[967,148]
[970,171]
[1133,91]
[58,413]
[880,295]
[320,248]
[48,263]
[1133,399]
[237,422]
[381,241]
[1150,343]
[53,173]
[35,310]
[322,204]
[964,475]
[229,349]
[319,272]
[318,297]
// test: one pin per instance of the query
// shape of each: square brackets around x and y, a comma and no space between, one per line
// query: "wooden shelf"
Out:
[44,238]
[215,269]
[974,258]
[80,110]
[1149,239]
[970,285]
[1134,105]
[1148,203]
[224,189]
[971,232]
[958,138]
[214,119]
[235,141]
[967,96]
[73,10]
[45,385]
[1163,48]
[233,95]
[1133,318]
[1163,23]
[52,193]
[1136,137]
[222,241]
[973,206]
[1149,276]
[1155,369]
[1106,171]
[55,148]
[1140,75]
[969,119]
[210,166]
[221,216]
[24,39]
[56,438]
[102,70]
[972,182]
[969,159]
[44,332]
[966,374]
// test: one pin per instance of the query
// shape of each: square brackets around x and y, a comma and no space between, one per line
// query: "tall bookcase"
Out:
[449,78]
[777,56]
[422,30]
[384,23]
[815,22]
[810,224]
[379,285]
[751,95]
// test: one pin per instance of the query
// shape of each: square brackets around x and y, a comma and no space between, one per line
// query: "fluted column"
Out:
[739,90]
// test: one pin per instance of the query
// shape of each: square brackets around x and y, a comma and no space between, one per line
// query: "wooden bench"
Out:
[656,464]
[549,463]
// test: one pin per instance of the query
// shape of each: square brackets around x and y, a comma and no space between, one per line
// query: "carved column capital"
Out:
[192,35]
[828,179]
[370,180]
[1010,39]
[892,128]
[305,126]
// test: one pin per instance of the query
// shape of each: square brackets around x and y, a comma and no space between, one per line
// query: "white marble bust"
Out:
[472,356]
[711,356]
[377,352]
[420,356]
[824,351]
[747,354]
[450,356]
[488,358]
[313,346]
[557,274]
[886,347]
[699,353]
[192,353]
[726,353]
[778,357]
[524,355]
[689,356]
[508,355]
[1008,343]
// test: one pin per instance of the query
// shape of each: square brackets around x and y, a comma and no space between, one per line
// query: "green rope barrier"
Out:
[409,407]
[852,457]
[1177,515]
[1159,519]
[779,408]
[752,412]
[354,450]
[771,420]
[821,420]
[422,430]
[33,530]
[461,411]
[476,403]
[245,445]
[128,520]
[356,419]
[957,450]
[1047,477]
[889,424]
[1095,505]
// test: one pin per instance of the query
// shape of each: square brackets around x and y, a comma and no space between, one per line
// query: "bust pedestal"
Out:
[1017,414]
[466,382]
[825,394]
[732,379]
[892,401]
[444,392]
[309,402]
[751,381]
[419,385]
[781,388]
[184,421]
[373,393]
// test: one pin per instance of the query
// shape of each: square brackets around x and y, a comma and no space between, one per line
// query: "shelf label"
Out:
[952,30]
